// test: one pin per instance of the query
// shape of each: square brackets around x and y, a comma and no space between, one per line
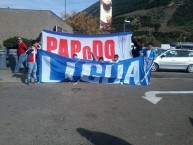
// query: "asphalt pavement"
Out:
[8,76]
[96,114]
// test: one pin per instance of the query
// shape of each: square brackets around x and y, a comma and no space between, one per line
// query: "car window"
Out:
[182,53]
[171,53]
[160,51]
[191,54]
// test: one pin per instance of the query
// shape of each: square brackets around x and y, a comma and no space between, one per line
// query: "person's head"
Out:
[101,59]
[74,55]
[19,39]
[139,42]
[150,45]
[34,44]
[106,2]
[39,40]
[116,57]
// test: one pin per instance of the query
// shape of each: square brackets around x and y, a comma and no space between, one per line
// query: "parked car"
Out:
[182,45]
[174,59]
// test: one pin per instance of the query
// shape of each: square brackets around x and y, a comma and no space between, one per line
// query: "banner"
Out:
[56,68]
[103,45]
[105,14]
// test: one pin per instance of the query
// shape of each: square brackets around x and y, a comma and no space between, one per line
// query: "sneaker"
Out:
[16,73]
[36,82]
[27,82]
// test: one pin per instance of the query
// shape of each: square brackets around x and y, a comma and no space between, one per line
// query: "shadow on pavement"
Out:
[100,138]
[12,61]
[21,76]
[191,120]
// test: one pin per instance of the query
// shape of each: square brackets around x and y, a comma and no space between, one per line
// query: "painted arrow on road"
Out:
[151,95]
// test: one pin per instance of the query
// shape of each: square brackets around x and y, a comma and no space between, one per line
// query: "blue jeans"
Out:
[22,59]
[32,68]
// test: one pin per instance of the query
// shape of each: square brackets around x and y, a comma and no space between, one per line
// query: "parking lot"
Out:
[98,114]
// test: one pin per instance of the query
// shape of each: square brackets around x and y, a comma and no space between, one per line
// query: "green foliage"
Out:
[83,24]
[127,6]
[146,21]
[167,37]
[190,38]
[158,15]
[27,41]
[12,42]
[182,18]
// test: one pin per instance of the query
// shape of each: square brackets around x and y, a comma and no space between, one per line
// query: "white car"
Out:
[174,59]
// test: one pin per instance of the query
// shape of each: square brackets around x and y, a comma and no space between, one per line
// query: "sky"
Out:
[56,6]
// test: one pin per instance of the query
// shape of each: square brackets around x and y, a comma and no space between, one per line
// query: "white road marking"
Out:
[151,95]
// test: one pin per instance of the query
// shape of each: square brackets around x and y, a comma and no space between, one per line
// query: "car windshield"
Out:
[159,51]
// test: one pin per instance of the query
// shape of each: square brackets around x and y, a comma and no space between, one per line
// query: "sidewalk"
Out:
[8,76]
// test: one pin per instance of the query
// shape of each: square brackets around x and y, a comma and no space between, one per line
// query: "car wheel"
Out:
[190,68]
[155,67]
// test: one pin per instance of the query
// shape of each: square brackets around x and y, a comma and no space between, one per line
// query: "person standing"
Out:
[39,46]
[74,55]
[115,59]
[22,47]
[100,59]
[149,51]
[32,61]
[137,47]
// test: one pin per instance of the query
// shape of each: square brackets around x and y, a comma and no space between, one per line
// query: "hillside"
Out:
[161,21]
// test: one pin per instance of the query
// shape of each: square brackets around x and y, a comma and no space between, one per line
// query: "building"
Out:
[29,23]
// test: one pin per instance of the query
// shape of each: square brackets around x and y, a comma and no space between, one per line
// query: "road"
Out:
[97,114]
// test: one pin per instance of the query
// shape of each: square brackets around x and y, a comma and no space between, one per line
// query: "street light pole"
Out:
[65,9]
[126,21]
[124,26]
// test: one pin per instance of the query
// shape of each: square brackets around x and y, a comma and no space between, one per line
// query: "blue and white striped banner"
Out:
[56,68]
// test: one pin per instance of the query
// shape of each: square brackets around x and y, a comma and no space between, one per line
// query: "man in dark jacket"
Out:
[137,47]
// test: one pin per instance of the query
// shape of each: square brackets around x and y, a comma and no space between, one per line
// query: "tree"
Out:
[82,23]
[13,41]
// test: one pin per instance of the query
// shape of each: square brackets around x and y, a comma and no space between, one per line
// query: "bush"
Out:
[11,43]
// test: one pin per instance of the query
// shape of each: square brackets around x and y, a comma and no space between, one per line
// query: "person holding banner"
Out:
[74,55]
[115,59]
[105,14]
[137,47]
[32,61]
[101,59]
[149,52]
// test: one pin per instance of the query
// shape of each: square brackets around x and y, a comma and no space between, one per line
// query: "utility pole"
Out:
[125,21]
[65,9]
[150,34]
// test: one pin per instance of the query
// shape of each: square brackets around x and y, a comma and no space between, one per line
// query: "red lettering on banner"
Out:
[109,49]
[63,47]
[75,47]
[86,52]
[98,48]
[51,43]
